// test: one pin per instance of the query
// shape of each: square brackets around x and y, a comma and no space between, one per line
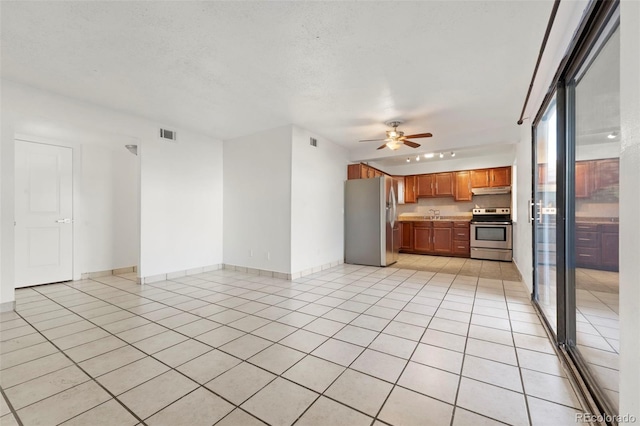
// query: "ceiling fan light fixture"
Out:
[393,145]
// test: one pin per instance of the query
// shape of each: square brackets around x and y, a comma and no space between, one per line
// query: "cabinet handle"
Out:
[584,239]
[584,255]
[461,247]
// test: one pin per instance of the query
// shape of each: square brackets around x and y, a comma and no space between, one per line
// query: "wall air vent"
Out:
[313,141]
[168,135]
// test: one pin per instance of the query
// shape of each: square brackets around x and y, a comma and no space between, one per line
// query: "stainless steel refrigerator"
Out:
[371,228]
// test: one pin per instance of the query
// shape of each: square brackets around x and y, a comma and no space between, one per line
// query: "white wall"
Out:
[106,205]
[629,208]
[97,136]
[181,204]
[317,201]
[522,231]
[257,200]
[7,189]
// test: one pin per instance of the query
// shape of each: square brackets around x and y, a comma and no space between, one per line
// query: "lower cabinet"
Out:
[597,246]
[435,237]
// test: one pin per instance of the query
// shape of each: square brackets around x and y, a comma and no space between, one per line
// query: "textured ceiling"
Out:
[459,69]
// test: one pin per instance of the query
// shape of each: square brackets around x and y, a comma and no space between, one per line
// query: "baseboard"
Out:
[118,271]
[8,306]
[178,274]
[282,275]
[520,276]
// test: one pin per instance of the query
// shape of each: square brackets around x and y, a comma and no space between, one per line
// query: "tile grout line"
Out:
[11,409]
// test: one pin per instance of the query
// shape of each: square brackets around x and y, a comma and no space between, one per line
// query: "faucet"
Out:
[433,212]
[437,214]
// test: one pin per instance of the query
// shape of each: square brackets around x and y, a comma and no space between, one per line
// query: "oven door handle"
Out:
[491,224]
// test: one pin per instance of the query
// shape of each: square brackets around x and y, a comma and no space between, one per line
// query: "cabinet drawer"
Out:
[460,234]
[586,228]
[587,239]
[461,225]
[609,227]
[422,224]
[587,256]
[461,247]
[440,224]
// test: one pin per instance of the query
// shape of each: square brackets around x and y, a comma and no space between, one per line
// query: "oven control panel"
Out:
[494,210]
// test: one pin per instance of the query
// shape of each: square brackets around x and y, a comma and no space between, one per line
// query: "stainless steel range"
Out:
[491,234]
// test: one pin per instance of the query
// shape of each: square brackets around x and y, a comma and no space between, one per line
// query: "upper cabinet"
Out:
[500,176]
[410,189]
[362,171]
[462,186]
[456,184]
[443,184]
[488,178]
[425,186]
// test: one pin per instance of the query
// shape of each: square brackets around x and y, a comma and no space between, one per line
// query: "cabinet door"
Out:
[409,189]
[422,239]
[377,173]
[463,186]
[584,179]
[607,173]
[480,178]
[364,172]
[406,228]
[500,176]
[443,184]
[425,185]
[353,171]
[442,240]
[610,249]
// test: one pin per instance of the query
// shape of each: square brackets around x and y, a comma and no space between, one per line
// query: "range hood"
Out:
[491,191]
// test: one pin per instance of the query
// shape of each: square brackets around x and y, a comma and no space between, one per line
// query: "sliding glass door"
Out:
[544,214]
[575,206]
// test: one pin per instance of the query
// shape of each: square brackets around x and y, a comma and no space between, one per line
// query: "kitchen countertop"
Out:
[427,219]
[597,220]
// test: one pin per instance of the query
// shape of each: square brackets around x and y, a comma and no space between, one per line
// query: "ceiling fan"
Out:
[396,138]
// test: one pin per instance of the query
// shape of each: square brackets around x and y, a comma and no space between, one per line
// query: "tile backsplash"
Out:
[448,207]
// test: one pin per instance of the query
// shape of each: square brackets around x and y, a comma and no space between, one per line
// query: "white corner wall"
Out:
[111,186]
[629,208]
[317,202]
[257,200]
[181,204]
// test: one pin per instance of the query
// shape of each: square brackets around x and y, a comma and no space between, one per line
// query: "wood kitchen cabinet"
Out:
[442,237]
[610,246]
[422,237]
[597,246]
[500,176]
[439,237]
[425,186]
[606,173]
[406,238]
[409,189]
[462,186]
[584,179]
[480,178]
[488,178]
[362,171]
[443,184]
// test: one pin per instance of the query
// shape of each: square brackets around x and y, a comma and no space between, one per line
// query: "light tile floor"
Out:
[349,345]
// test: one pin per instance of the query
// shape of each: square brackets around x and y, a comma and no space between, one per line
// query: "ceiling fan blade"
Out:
[412,144]
[372,140]
[382,146]
[419,135]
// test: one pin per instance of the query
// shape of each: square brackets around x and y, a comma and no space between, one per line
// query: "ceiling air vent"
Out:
[313,141]
[168,135]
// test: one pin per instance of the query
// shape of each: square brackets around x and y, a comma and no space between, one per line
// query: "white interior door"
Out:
[43,214]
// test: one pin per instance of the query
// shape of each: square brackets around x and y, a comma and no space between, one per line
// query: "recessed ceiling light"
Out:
[453,154]
[441,155]
[612,135]
[429,155]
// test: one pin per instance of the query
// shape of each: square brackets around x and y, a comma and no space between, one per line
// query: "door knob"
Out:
[66,220]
